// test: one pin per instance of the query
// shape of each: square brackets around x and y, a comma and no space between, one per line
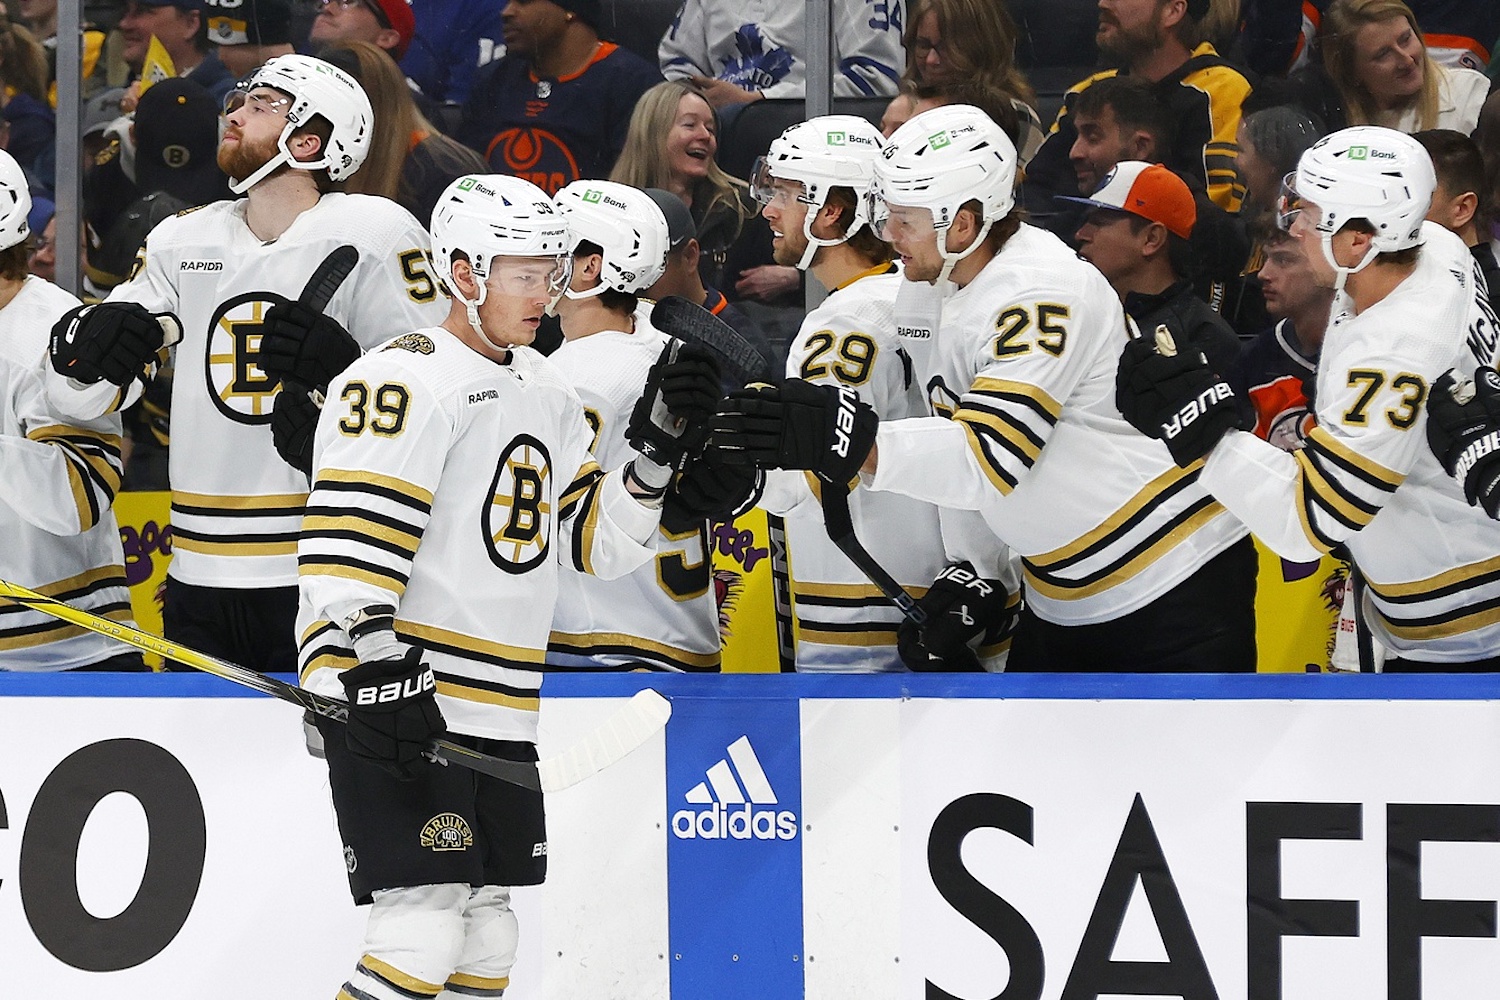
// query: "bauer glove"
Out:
[1463,429]
[1176,397]
[964,611]
[825,429]
[111,341]
[305,346]
[393,712]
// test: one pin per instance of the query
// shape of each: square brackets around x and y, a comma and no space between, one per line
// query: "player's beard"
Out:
[243,158]
[789,249]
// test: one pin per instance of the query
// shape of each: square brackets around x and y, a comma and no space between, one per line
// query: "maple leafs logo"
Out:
[756,68]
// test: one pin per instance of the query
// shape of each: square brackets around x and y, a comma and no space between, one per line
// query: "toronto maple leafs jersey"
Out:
[1025,359]
[1366,477]
[844,622]
[663,614]
[236,505]
[760,45]
[60,479]
[454,487]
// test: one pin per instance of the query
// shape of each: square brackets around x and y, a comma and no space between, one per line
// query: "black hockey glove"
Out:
[393,712]
[110,340]
[707,490]
[826,429]
[294,421]
[305,346]
[669,420]
[1177,399]
[1465,436]
[964,611]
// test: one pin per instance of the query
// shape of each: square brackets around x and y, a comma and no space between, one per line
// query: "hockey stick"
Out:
[840,527]
[641,718]
[781,592]
[328,276]
[677,317]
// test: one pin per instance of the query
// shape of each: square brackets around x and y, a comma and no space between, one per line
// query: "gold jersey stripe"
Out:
[441,636]
[327,661]
[287,502]
[372,529]
[588,473]
[1315,538]
[478,982]
[53,431]
[360,477]
[287,548]
[579,642]
[1027,448]
[998,477]
[1000,386]
[1444,630]
[385,581]
[463,692]
[400,979]
[586,528]
[80,490]
[1330,494]
[57,632]
[1135,566]
[1319,437]
[847,591]
[857,639]
[115,573]
[1147,497]
[1423,588]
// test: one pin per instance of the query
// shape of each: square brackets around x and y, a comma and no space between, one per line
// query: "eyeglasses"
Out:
[259,104]
[373,8]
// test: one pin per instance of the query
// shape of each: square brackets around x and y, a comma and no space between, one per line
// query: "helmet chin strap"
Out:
[1341,273]
[951,259]
[471,308]
[597,290]
[814,244]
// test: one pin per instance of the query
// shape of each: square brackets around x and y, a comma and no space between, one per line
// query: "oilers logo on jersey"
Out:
[236,384]
[517,519]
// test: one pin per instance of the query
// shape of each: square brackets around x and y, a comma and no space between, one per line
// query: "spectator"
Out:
[1283,358]
[40,18]
[42,221]
[1271,140]
[248,32]
[682,279]
[389,24]
[29,123]
[971,42]
[555,108]
[180,27]
[1278,35]
[1136,234]
[1377,61]
[736,53]
[410,161]
[671,143]
[1160,42]
[901,109]
[1461,202]
[454,38]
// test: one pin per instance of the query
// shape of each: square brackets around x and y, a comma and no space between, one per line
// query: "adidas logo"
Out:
[735,787]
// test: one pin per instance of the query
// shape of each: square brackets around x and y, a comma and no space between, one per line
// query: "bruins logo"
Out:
[517,518]
[417,343]
[447,832]
[238,387]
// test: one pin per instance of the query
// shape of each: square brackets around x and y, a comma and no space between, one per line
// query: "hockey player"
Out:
[61,476]
[664,615]
[811,185]
[453,475]
[231,276]
[1128,564]
[1407,307]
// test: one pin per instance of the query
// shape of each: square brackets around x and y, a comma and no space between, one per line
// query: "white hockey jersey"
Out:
[236,505]
[761,45]
[452,487]
[1366,476]
[664,614]
[1025,360]
[844,623]
[60,478]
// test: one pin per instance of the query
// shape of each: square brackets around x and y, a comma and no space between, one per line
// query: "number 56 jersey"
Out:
[453,487]
[235,504]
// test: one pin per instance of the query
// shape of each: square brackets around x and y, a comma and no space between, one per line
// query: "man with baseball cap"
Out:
[180,26]
[246,33]
[1136,233]
[389,24]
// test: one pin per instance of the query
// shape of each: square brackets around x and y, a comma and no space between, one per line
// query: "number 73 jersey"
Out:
[235,503]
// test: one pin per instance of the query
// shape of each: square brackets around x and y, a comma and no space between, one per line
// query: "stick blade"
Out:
[640,719]
[677,317]
[328,276]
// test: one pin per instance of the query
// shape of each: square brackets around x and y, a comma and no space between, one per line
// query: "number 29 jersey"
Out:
[236,505]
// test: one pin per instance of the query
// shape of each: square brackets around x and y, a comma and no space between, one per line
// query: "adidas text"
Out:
[742,822]
[1196,408]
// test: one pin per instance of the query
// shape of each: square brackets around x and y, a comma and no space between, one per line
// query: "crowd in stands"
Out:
[1219,97]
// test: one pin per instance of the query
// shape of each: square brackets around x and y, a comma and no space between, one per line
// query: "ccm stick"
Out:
[640,719]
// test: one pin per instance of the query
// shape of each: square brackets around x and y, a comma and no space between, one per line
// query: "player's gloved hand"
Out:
[1464,433]
[294,421]
[826,429]
[708,490]
[304,345]
[393,712]
[669,420]
[111,341]
[964,611]
[1176,398]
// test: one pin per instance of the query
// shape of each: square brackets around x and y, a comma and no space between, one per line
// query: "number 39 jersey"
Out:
[235,504]
[663,614]
[452,487]
[1366,476]
[1024,364]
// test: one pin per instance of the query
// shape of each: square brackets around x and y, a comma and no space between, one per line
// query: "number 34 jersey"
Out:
[235,504]
[453,487]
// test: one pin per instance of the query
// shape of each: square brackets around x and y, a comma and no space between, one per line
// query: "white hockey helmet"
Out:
[942,159]
[626,224]
[15,202]
[1366,172]
[316,88]
[822,154]
[486,216]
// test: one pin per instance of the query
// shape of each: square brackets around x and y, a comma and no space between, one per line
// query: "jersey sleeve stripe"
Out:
[52,630]
[320,513]
[1013,435]
[993,470]
[1347,459]
[585,529]
[271,503]
[1134,511]
[599,643]
[1130,563]
[1025,393]
[1304,504]
[83,497]
[401,543]
[371,482]
[1349,509]
[353,569]
[82,585]
[588,474]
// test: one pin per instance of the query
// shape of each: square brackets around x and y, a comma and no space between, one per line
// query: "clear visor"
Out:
[529,277]
[769,190]
[899,222]
[1290,205]
[262,100]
